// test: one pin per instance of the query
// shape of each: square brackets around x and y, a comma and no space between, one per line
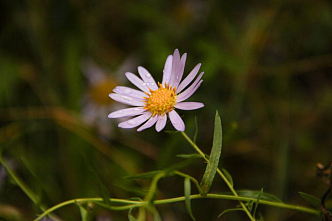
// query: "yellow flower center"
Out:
[160,101]
[98,91]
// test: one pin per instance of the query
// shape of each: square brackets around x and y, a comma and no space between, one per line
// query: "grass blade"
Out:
[187,192]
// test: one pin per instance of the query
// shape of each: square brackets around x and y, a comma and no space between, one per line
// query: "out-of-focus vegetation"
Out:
[268,68]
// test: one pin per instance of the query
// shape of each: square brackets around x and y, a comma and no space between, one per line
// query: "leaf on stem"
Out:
[255,194]
[146,175]
[311,199]
[228,176]
[155,213]
[189,156]
[85,212]
[230,210]
[213,162]
[130,216]
[187,192]
[168,171]
[256,205]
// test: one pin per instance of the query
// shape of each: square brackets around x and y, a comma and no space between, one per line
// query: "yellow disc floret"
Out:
[160,101]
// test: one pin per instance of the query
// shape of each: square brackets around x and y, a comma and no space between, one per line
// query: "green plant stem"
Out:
[34,198]
[219,172]
[150,196]
[133,204]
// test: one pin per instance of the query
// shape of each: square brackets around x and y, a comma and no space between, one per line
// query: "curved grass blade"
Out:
[213,162]
[187,192]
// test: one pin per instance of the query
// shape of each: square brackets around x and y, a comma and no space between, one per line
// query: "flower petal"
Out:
[135,121]
[127,112]
[189,89]
[181,70]
[176,120]
[167,70]
[175,67]
[147,78]
[127,100]
[149,123]
[189,105]
[137,81]
[189,78]
[129,92]
[186,96]
[161,123]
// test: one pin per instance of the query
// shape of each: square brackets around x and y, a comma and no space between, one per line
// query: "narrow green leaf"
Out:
[256,204]
[311,199]
[85,212]
[212,165]
[180,164]
[189,156]
[146,175]
[255,194]
[171,132]
[168,170]
[230,210]
[130,216]
[155,213]
[196,130]
[187,192]
[228,176]
[249,205]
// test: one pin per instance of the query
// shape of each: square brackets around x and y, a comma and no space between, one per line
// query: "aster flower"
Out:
[155,101]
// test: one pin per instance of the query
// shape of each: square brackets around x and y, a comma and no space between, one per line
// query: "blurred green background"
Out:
[268,71]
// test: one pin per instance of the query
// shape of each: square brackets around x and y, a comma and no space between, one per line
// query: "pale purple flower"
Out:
[155,101]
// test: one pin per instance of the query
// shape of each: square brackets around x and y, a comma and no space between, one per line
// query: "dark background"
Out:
[268,71]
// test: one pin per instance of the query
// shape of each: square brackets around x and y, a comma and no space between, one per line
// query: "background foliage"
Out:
[268,71]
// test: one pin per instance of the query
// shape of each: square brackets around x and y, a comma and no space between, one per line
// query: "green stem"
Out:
[150,196]
[220,173]
[133,204]
[34,198]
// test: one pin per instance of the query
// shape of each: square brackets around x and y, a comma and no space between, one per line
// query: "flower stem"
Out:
[129,204]
[220,173]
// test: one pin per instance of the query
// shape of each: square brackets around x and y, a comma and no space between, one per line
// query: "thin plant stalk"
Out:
[130,204]
[220,173]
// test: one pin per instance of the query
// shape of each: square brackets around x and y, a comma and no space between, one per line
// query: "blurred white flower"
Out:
[96,103]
